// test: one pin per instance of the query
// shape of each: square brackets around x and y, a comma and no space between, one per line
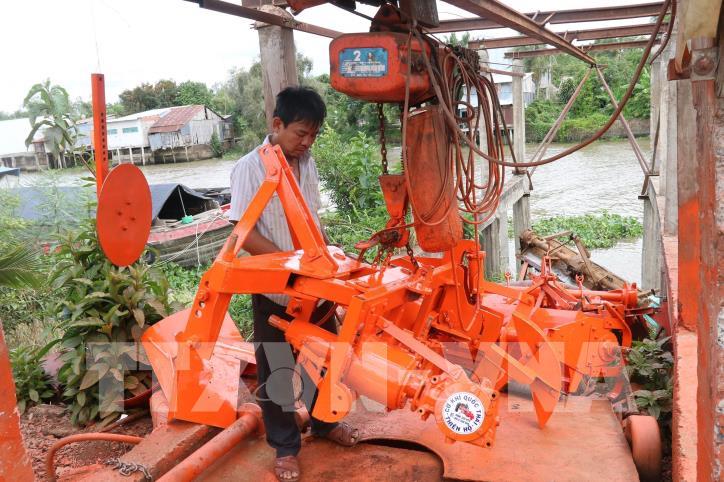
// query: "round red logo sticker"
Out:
[463,413]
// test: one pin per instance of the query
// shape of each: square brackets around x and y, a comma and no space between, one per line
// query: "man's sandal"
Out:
[287,468]
[343,434]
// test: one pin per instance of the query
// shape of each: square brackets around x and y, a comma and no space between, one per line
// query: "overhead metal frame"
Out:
[493,15]
[266,17]
[633,44]
[570,35]
[508,17]
[557,17]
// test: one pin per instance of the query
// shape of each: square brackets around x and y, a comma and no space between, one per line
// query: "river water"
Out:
[603,176]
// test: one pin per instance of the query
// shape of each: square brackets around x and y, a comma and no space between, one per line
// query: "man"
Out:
[298,115]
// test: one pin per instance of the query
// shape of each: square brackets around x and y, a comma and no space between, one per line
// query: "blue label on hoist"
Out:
[363,62]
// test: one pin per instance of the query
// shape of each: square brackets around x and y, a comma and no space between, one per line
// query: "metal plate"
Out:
[363,62]
[123,220]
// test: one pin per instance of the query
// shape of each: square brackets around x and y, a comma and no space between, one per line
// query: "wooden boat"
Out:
[189,226]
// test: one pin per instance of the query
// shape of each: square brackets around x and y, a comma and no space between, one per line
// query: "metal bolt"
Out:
[704,65]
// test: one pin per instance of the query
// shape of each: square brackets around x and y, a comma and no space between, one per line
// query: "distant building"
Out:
[14,153]
[504,85]
[157,135]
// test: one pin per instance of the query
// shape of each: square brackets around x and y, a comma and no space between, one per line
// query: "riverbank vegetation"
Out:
[597,231]
[592,108]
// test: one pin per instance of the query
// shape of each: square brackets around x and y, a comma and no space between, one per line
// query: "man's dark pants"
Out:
[275,367]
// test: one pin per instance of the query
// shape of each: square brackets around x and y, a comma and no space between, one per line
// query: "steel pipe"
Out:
[266,17]
[633,44]
[192,466]
[570,35]
[508,17]
[557,17]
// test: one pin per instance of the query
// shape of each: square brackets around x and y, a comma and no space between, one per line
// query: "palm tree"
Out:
[48,105]
[19,267]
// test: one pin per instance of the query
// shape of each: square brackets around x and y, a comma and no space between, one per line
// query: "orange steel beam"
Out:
[508,17]
[634,44]
[588,34]
[266,17]
[100,130]
[557,17]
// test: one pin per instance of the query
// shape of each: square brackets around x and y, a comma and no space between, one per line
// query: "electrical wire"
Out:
[450,116]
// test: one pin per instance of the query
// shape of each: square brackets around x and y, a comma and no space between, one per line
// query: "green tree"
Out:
[459,42]
[18,114]
[192,93]
[48,107]
[82,109]
[166,92]
[138,99]
[565,92]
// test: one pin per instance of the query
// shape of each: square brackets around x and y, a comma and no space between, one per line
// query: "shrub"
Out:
[216,145]
[349,170]
[102,313]
[31,384]
[649,363]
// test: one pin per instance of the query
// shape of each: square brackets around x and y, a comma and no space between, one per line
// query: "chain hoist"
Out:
[383,141]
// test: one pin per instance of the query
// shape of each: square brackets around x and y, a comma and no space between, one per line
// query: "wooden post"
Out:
[669,150]
[518,112]
[278,59]
[651,247]
[490,239]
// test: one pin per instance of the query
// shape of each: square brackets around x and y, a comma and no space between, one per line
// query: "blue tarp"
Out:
[70,203]
[9,171]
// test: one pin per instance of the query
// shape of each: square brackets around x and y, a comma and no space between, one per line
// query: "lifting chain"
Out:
[411,254]
[383,141]
[128,468]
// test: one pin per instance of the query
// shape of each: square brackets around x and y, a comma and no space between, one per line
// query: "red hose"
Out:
[82,437]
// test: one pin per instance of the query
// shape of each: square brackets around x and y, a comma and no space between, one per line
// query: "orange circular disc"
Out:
[123,219]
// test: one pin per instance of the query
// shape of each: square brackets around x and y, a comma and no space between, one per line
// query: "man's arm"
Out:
[256,244]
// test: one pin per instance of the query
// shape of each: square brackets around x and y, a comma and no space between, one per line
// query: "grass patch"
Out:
[234,153]
[183,283]
[596,231]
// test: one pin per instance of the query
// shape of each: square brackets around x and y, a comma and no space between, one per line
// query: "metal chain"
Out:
[128,468]
[411,254]
[383,141]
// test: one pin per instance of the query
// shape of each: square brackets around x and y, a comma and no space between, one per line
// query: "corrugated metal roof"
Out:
[176,118]
[140,115]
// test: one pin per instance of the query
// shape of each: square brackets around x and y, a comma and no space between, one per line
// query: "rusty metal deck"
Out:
[582,441]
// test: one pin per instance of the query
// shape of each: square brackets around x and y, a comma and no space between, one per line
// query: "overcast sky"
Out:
[134,41]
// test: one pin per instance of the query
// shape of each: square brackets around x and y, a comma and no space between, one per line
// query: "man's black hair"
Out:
[300,104]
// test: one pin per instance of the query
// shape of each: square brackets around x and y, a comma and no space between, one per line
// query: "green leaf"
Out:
[90,378]
[139,316]
[71,342]
[117,374]
[34,396]
[81,398]
[157,307]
